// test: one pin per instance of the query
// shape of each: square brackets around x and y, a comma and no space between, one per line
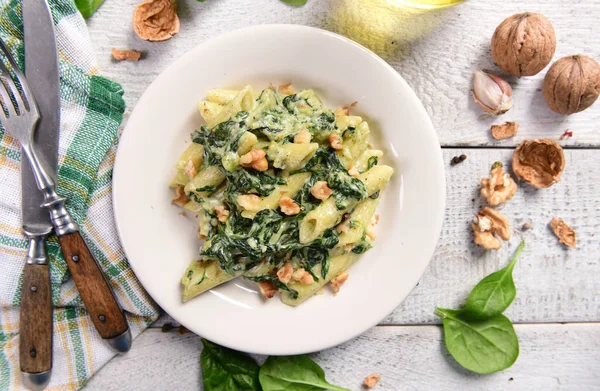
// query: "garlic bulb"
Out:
[492,93]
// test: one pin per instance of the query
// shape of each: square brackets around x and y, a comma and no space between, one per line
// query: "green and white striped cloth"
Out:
[92,110]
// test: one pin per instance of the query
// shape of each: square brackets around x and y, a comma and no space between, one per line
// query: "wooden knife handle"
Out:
[93,287]
[35,325]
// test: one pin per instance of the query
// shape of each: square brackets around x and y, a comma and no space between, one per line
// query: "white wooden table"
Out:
[557,308]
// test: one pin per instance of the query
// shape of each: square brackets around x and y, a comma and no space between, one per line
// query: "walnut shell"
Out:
[523,44]
[156,20]
[572,84]
[539,162]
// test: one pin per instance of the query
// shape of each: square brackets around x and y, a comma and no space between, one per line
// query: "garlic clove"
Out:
[491,92]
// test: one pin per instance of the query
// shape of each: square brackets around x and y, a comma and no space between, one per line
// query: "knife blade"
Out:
[41,69]
[94,290]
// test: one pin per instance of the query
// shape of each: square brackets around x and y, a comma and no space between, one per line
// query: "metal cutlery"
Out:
[35,334]
[19,115]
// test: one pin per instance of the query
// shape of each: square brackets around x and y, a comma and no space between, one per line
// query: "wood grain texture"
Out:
[95,292]
[553,357]
[436,52]
[554,284]
[35,322]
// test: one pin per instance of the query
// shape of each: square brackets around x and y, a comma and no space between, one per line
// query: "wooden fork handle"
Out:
[95,292]
[35,324]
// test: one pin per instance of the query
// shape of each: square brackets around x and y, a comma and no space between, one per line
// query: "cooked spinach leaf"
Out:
[275,281]
[224,369]
[372,162]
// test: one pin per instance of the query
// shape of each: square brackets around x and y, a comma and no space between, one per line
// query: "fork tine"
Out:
[6,102]
[22,101]
[12,90]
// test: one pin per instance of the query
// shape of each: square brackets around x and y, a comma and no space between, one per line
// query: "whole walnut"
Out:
[572,84]
[156,20]
[523,44]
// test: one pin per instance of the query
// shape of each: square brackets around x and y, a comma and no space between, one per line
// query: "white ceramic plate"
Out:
[160,242]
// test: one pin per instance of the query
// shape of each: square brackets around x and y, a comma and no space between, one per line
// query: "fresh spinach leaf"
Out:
[227,370]
[293,373]
[482,346]
[88,7]
[494,293]
[295,3]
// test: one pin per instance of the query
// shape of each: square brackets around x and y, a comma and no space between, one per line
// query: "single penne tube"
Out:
[291,156]
[247,141]
[191,155]
[337,265]
[221,95]
[205,182]
[243,101]
[362,163]
[359,219]
[326,215]
[201,276]
[209,112]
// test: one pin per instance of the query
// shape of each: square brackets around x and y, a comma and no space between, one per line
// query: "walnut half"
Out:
[539,162]
[499,187]
[563,232]
[156,20]
[490,222]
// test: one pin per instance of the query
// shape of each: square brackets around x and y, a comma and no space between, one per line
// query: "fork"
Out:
[19,115]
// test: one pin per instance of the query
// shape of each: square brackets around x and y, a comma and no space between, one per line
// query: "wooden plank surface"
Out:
[553,357]
[435,51]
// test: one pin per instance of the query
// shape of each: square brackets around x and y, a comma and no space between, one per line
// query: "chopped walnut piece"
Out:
[563,232]
[180,197]
[539,162]
[249,201]
[302,137]
[499,187]
[255,159]
[372,380]
[128,54]
[338,281]
[341,111]
[303,277]
[222,213]
[156,20]
[321,191]
[490,222]
[285,273]
[353,104]
[286,89]
[267,289]
[190,169]
[335,141]
[506,130]
[353,171]
[288,206]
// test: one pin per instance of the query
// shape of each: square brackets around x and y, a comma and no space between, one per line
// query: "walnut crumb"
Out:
[126,55]
[499,187]
[303,277]
[563,232]
[505,130]
[255,159]
[302,137]
[180,197]
[286,89]
[372,380]
[527,226]
[338,281]
[285,273]
[489,222]
[321,191]
[267,288]
[222,213]
[335,141]
[341,111]
[288,206]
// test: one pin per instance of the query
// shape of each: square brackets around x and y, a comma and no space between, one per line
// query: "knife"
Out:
[98,298]
[35,324]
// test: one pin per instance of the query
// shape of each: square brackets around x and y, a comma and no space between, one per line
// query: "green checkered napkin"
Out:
[92,110]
